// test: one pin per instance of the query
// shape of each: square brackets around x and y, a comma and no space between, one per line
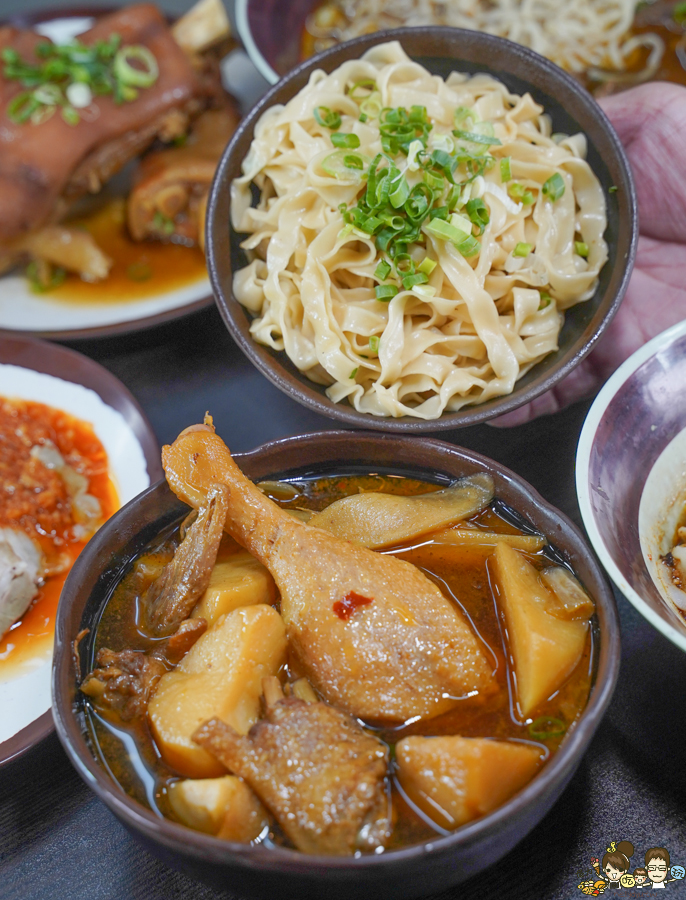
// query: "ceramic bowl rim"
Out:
[202,846]
[583,485]
[296,386]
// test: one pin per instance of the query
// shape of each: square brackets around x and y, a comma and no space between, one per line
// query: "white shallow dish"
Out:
[630,468]
[33,370]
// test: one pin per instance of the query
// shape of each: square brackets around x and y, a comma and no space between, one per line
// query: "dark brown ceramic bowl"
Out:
[266,872]
[443,50]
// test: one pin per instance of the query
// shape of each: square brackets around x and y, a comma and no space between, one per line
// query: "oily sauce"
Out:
[127,751]
[140,269]
[34,499]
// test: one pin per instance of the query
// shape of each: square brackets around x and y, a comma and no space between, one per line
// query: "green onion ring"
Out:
[127,74]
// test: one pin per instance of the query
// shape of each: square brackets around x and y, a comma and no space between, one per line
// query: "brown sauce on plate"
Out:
[127,751]
[140,269]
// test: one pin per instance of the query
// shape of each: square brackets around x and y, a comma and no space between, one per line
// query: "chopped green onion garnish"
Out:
[70,75]
[70,116]
[522,250]
[519,193]
[546,299]
[427,265]
[445,231]
[374,343]
[505,169]
[461,223]
[354,372]
[399,193]
[139,271]
[409,281]
[347,166]
[363,117]
[144,75]
[581,248]
[46,277]
[679,13]
[462,113]
[372,106]
[364,84]
[613,189]
[21,107]
[383,270]
[469,247]
[554,187]
[163,223]
[327,118]
[478,212]
[385,292]
[546,727]
[475,138]
[348,141]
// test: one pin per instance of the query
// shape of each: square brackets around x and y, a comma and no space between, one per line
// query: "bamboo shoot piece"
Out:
[204,25]
[381,520]
[238,581]
[454,779]
[221,675]
[224,807]
[574,602]
[545,649]
[475,537]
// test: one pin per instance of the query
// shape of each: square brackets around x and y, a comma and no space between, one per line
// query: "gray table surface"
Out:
[58,841]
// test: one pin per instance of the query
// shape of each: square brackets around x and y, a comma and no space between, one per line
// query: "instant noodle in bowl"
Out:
[416,240]
[662,524]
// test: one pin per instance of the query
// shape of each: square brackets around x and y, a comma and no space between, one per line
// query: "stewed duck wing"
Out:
[319,773]
[374,636]
[170,599]
[38,159]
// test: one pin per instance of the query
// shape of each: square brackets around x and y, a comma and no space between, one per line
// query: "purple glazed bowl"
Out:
[255,871]
[635,416]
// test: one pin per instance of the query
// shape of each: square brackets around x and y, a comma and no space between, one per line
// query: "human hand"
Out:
[651,123]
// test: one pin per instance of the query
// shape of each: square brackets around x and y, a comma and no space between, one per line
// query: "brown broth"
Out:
[140,269]
[127,750]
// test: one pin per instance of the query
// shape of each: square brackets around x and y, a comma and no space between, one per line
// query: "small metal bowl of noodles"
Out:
[433,863]
[631,478]
[571,110]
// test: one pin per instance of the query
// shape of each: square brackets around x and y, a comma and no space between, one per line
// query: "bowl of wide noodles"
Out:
[442,51]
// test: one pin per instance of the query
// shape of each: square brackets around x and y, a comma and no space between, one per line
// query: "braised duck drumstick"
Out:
[374,636]
[319,773]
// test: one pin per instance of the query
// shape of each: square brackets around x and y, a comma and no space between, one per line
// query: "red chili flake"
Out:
[346,607]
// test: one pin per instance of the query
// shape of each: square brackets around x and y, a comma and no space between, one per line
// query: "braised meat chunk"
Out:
[125,681]
[37,162]
[320,774]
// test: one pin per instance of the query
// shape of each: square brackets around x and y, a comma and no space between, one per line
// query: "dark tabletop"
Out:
[58,841]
